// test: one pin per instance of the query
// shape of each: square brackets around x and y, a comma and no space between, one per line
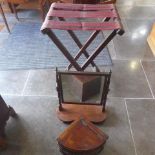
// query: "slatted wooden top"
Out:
[81,11]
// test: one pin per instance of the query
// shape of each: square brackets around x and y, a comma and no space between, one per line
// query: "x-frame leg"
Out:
[4,18]
[82,50]
[79,44]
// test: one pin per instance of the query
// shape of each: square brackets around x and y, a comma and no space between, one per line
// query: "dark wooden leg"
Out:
[63,49]
[98,50]
[4,18]
[79,44]
[10,7]
[59,90]
[105,91]
[14,11]
[87,43]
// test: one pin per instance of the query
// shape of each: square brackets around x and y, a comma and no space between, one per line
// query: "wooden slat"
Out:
[82,11]
[81,7]
[82,14]
[81,25]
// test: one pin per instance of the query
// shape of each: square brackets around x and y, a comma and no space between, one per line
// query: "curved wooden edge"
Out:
[72,112]
[151,39]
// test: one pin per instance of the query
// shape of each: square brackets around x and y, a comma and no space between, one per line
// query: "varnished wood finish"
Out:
[63,11]
[86,1]
[89,1]
[82,138]
[108,1]
[104,91]
[29,4]
[71,112]
[4,18]
[79,44]
[151,39]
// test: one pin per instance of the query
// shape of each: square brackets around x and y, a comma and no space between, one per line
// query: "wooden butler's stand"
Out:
[58,18]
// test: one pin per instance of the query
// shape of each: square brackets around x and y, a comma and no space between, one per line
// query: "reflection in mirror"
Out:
[82,88]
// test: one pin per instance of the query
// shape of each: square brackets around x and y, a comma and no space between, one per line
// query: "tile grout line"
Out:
[25,83]
[132,135]
[130,59]
[55,96]
[147,79]
[136,5]
[139,98]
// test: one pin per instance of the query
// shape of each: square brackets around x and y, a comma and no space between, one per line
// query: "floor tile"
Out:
[3,38]
[1,26]
[148,2]
[141,114]
[35,130]
[141,27]
[12,82]
[11,25]
[37,127]
[141,12]
[126,2]
[128,80]
[41,82]
[123,10]
[117,127]
[132,47]
[111,49]
[149,67]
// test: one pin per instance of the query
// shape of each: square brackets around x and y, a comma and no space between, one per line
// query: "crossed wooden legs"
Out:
[4,18]
[82,50]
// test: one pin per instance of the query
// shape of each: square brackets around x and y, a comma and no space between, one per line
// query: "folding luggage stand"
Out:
[60,11]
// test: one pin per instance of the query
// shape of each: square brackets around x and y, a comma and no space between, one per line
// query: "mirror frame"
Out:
[104,90]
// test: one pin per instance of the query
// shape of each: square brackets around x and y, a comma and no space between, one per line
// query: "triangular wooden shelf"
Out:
[82,137]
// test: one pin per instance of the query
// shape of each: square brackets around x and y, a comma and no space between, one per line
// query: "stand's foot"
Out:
[72,112]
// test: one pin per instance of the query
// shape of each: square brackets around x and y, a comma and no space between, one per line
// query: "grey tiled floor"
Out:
[131,101]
